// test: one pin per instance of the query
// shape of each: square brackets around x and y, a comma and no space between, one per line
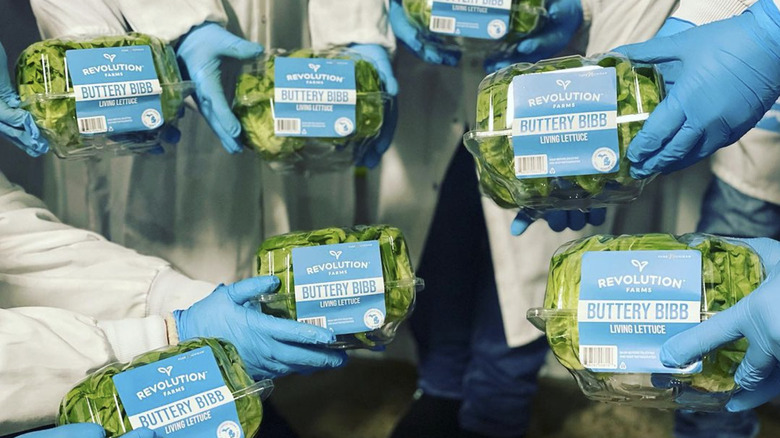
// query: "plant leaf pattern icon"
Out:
[314,67]
[165,370]
[336,254]
[639,265]
[563,84]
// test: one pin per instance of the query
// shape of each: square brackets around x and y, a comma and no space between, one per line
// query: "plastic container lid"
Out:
[254,107]
[526,17]
[640,89]
[730,271]
[96,400]
[401,286]
[46,91]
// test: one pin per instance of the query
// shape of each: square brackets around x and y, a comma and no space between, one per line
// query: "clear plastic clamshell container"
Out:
[640,88]
[525,18]
[254,105]
[730,271]
[46,91]
[96,400]
[401,286]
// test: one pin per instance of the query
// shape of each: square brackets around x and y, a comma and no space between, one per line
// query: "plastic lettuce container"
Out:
[277,255]
[97,400]
[284,143]
[730,270]
[46,90]
[446,32]
[639,90]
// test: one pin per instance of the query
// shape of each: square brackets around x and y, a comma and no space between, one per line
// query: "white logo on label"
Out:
[496,29]
[563,84]
[151,118]
[228,429]
[639,265]
[315,67]
[344,126]
[165,370]
[109,57]
[336,254]
[374,318]
[604,159]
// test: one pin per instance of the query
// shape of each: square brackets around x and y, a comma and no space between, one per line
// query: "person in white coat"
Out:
[200,207]
[479,357]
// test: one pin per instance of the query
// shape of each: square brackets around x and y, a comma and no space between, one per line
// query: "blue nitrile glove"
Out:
[201,52]
[671,70]
[727,81]
[755,317]
[378,56]
[16,124]
[84,430]
[558,220]
[564,19]
[271,347]
[407,34]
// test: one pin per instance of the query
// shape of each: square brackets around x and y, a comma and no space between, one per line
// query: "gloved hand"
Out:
[671,70]
[558,220]
[565,18]
[408,36]
[755,317]
[727,81]
[16,124]
[200,52]
[378,56]
[85,430]
[271,347]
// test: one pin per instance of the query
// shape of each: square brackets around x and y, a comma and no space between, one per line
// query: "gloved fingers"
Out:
[494,65]
[12,116]
[403,29]
[289,331]
[654,51]
[140,433]
[576,219]
[245,290]
[557,220]
[556,34]
[295,355]
[385,70]
[215,109]
[80,430]
[32,144]
[690,345]
[170,134]
[525,217]
[660,127]
[597,216]
[744,400]
[239,48]
[674,152]
[757,366]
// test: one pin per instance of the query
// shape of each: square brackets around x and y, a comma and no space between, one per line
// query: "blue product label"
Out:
[771,120]
[340,287]
[116,88]
[631,302]
[487,19]
[565,123]
[314,97]
[181,396]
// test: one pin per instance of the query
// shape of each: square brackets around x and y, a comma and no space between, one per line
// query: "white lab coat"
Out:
[201,208]
[71,302]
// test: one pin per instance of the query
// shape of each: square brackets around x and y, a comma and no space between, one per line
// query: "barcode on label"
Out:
[287,126]
[599,356]
[319,321]
[442,24]
[92,125]
[531,165]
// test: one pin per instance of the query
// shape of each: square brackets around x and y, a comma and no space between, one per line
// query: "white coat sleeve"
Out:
[46,263]
[617,22]
[701,12]
[341,22]
[44,352]
[166,19]
[169,19]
